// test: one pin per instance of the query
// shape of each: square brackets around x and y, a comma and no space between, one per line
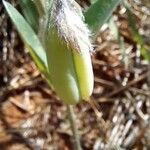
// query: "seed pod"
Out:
[68,52]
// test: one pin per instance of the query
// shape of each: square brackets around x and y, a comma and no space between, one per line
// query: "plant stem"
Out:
[72,119]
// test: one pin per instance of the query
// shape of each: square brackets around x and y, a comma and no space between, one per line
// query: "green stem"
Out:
[72,119]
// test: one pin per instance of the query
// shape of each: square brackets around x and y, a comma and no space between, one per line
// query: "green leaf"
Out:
[43,6]
[37,60]
[114,28]
[99,12]
[40,65]
[27,34]
[115,31]
[136,36]
[30,12]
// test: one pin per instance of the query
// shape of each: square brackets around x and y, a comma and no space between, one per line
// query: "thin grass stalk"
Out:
[72,119]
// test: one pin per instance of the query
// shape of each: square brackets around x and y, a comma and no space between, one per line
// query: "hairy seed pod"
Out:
[68,52]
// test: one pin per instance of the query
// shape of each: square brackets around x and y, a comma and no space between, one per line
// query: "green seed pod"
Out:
[68,52]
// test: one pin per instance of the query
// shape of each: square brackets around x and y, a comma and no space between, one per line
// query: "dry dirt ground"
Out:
[33,118]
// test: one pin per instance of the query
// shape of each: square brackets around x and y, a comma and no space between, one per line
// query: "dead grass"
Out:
[33,117]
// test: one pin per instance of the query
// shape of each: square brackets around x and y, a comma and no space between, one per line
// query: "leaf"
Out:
[99,12]
[115,31]
[30,12]
[40,65]
[114,28]
[27,34]
[37,60]
[136,36]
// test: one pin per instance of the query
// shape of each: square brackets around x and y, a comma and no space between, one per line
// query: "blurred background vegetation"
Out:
[33,118]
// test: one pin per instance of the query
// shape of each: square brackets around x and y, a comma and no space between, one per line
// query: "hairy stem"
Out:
[72,119]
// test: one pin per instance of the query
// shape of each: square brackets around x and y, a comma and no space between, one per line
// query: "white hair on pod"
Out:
[67,17]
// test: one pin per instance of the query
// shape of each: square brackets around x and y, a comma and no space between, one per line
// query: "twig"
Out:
[31,83]
[105,82]
[122,88]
